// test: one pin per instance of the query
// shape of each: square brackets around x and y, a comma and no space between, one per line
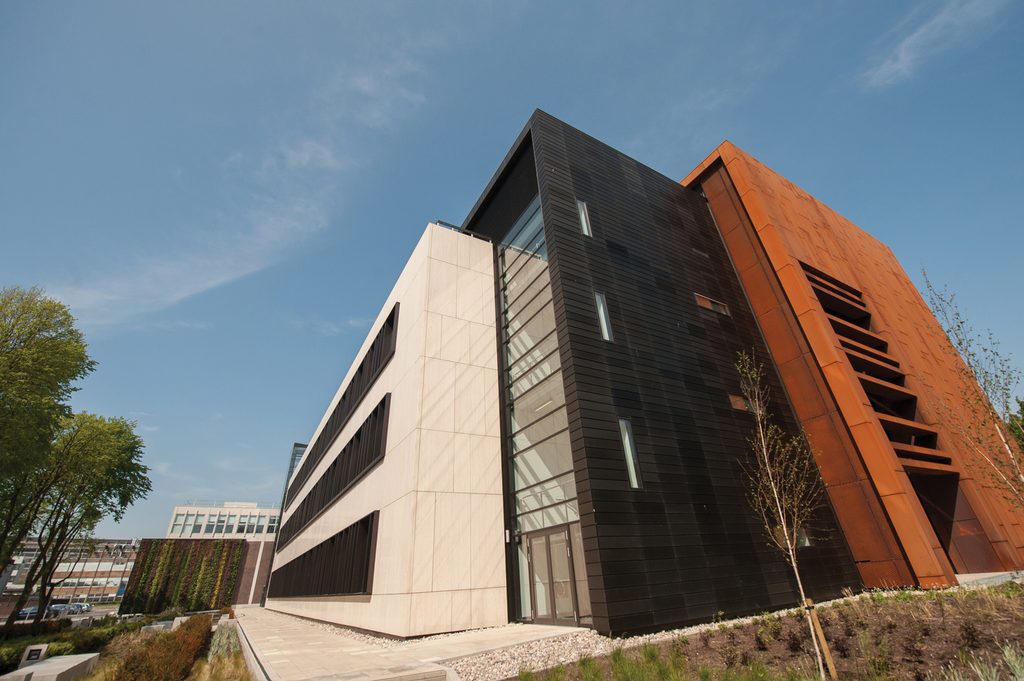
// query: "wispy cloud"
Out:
[148,429]
[328,328]
[267,232]
[917,40]
[290,189]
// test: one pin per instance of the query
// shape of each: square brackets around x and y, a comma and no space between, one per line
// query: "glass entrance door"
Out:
[552,583]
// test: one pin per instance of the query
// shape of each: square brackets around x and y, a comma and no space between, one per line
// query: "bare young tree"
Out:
[993,424]
[783,482]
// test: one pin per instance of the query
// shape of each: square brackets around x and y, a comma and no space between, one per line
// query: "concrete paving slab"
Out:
[293,649]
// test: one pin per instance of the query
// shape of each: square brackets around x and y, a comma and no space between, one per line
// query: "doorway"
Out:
[553,577]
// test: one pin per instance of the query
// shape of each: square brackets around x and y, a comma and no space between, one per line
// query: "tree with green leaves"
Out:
[42,354]
[783,483]
[994,429]
[60,473]
[106,455]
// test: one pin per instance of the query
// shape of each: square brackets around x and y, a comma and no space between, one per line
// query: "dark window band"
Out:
[361,453]
[377,357]
[339,566]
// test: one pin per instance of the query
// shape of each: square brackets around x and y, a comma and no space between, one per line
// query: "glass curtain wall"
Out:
[541,458]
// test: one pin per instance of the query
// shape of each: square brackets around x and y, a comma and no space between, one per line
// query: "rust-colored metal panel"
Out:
[776,234]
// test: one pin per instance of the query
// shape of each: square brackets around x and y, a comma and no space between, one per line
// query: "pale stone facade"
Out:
[439,558]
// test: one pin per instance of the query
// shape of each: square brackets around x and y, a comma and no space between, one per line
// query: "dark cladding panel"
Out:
[339,566]
[376,358]
[513,189]
[686,544]
[358,457]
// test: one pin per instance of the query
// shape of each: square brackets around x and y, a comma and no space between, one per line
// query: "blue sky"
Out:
[225,192]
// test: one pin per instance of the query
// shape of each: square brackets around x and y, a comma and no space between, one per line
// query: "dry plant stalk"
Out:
[783,483]
[991,422]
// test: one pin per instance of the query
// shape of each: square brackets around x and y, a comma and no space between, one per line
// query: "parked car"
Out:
[27,613]
[57,609]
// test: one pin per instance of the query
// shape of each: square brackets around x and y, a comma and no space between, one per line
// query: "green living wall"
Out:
[188,574]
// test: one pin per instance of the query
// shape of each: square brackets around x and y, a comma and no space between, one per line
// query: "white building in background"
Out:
[393,521]
[229,520]
[92,570]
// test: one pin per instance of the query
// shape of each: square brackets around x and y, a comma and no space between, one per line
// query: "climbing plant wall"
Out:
[189,574]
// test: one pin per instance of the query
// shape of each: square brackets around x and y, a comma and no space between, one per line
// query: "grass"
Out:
[651,663]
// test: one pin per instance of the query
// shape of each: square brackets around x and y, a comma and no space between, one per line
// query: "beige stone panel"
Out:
[489,607]
[423,543]
[441,289]
[388,614]
[475,395]
[433,342]
[438,400]
[455,339]
[476,255]
[405,403]
[483,346]
[475,297]
[436,461]
[392,571]
[486,534]
[462,610]
[444,244]
[430,613]
[452,546]
[477,463]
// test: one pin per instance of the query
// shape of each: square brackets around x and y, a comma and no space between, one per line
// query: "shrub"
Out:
[9,658]
[224,642]
[59,648]
[169,656]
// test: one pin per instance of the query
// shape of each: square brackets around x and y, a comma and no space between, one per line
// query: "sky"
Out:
[224,192]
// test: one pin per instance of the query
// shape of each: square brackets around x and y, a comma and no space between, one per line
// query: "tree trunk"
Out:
[807,614]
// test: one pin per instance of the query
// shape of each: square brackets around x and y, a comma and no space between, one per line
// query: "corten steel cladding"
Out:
[871,376]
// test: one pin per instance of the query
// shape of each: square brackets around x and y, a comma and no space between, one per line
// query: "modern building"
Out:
[298,449]
[94,571]
[545,422]
[256,523]
[227,520]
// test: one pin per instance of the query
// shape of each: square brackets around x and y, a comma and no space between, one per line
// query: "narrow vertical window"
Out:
[629,450]
[581,208]
[602,315]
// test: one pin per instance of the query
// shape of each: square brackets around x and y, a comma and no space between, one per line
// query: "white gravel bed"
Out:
[565,649]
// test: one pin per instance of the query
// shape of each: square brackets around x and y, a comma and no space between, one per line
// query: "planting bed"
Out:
[884,635]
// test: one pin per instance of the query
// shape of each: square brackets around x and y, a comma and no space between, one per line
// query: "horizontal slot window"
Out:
[711,304]
[361,453]
[381,350]
[339,566]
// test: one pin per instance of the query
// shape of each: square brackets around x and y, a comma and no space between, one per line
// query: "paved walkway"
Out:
[293,649]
